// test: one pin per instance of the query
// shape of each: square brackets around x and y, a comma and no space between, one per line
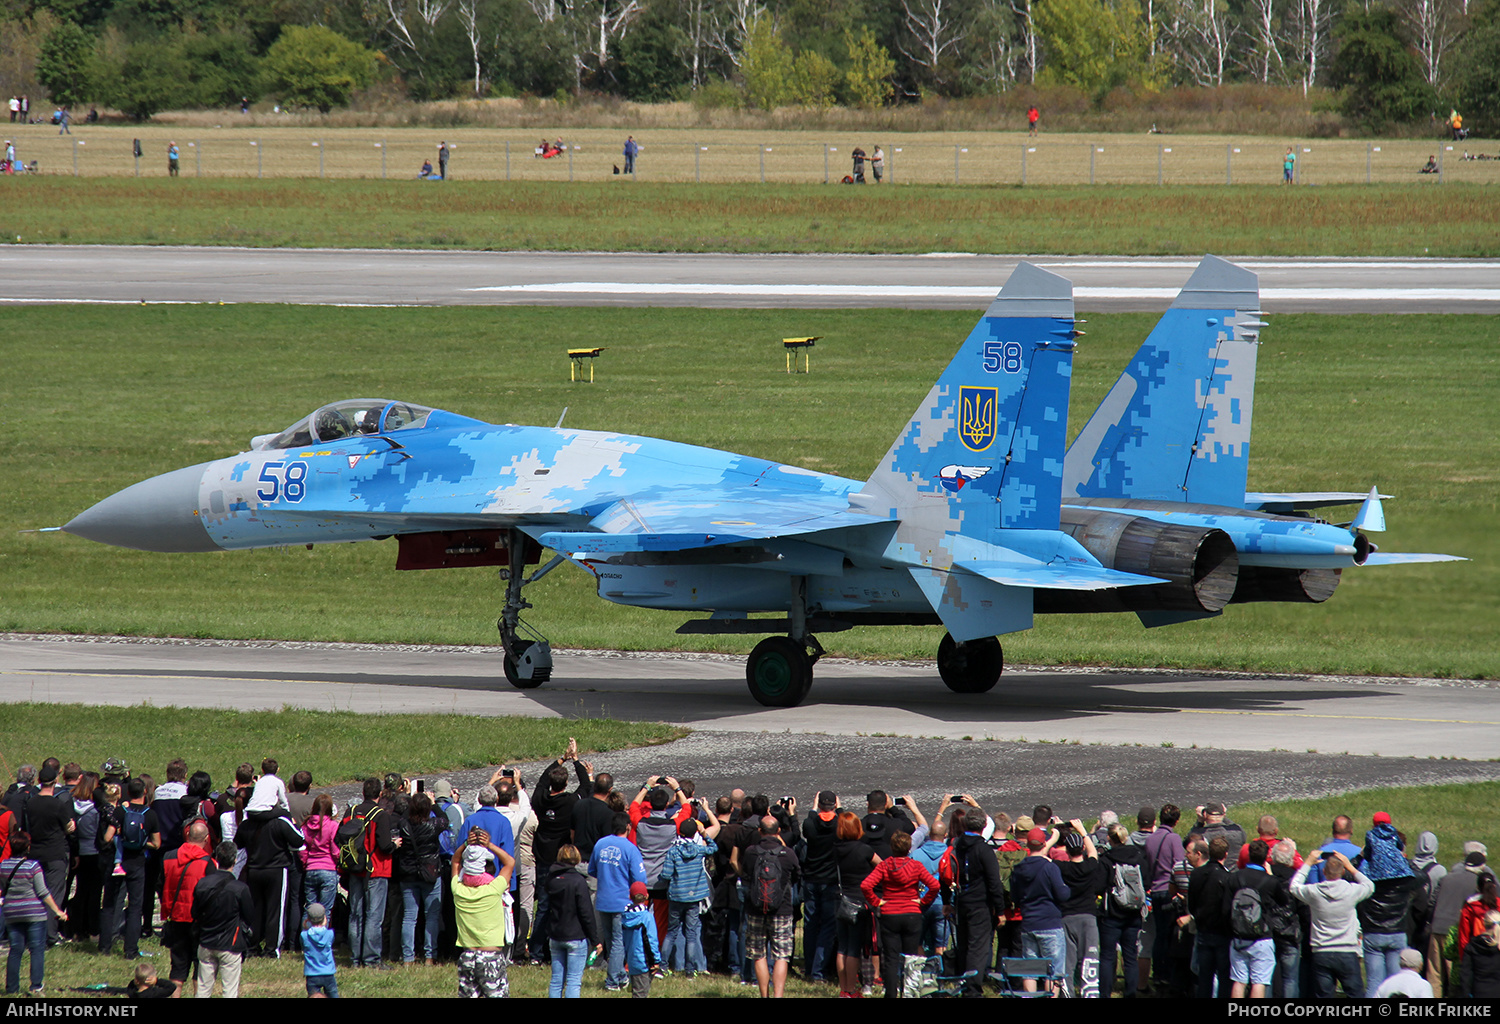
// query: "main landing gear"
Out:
[779,672]
[528,656]
[973,666]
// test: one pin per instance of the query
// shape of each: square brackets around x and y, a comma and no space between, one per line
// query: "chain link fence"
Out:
[736,157]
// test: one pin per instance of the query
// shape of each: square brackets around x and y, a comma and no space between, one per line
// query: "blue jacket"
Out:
[928,855]
[640,940]
[615,862]
[687,880]
[493,821]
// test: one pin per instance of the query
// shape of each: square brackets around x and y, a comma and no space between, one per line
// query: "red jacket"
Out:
[900,881]
[184,868]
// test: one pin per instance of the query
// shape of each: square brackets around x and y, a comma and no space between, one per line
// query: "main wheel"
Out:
[779,672]
[970,667]
[513,676]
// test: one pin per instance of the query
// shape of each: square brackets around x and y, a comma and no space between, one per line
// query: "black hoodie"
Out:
[222,912]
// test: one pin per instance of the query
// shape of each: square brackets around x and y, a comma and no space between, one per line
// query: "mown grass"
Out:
[335,746]
[1378,220]
[100,398]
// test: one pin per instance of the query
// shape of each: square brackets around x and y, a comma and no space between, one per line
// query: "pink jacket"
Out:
[321,853]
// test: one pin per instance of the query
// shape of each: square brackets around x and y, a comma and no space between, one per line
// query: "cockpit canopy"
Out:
[345,419]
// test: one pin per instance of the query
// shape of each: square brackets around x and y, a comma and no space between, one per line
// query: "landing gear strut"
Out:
[528,656]
[779,672]
[973,666]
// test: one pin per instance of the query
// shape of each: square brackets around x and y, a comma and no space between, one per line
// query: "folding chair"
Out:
[1014,970]
[923,978]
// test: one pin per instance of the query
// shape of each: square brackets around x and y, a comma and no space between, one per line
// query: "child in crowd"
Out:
[145,984]
[317,953]
[642,954]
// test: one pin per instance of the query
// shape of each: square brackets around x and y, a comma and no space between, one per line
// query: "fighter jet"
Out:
[1155,481]
[961,522]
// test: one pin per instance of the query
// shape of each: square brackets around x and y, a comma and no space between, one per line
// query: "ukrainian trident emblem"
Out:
[976,417]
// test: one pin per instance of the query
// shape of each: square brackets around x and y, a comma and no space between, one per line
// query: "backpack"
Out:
[768,887]
[133,835]
[353,841]
[1129,890]
[1247,915]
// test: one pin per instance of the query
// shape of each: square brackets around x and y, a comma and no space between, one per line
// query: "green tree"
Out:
[870,70]
[1476,73]
[1094,45]
[767,66]
[814,78]
[220,69]
[65,66]
[153,77]
[1382,81]
[316,67]
[650,67]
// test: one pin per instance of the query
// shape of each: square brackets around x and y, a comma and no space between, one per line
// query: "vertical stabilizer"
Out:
[1176,425]
[983,451]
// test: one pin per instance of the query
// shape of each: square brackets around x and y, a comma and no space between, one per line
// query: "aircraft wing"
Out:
[704,518]
[1055,576]
[1283,502]
[1408,558]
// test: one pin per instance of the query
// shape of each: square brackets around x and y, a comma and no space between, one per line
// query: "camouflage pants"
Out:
[481,974]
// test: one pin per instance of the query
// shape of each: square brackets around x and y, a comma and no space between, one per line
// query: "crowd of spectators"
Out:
[577,869]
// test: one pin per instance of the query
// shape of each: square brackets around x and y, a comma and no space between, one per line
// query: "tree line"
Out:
[1394,61]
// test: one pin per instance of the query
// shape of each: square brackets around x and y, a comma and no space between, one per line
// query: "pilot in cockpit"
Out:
[369,421]
[333,424]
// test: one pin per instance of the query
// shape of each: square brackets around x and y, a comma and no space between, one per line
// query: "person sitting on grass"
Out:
[145,984]
[317,953]
[426,171]
[1430,167]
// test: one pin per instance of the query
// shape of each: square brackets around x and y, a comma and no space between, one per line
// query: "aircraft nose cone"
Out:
[159,514]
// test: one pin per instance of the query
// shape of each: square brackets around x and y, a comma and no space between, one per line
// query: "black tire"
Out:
[779,672]
[972,667]
[514,677]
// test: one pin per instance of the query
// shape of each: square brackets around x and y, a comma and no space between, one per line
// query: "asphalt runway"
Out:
[31,274]
[1082,739]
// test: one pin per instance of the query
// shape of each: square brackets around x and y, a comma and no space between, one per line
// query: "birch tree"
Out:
[933,31]
[1434,26]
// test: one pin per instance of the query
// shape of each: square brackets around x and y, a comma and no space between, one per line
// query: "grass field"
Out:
[721,155]
[1456,813]
[100,398]
[335,746]
[1379,220]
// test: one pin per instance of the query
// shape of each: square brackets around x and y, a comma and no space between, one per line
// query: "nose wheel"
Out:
[973,666]
[779,672]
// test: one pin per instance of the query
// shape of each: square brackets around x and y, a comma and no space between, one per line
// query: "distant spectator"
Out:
[1479,968]
[1033,115]
[1407,983]
[877,163]
[1122,910]
[1289,166]
[688,884]
[1208,903]
[617,864]
[27,904]
[771,873]
[183,869]
[972,887]
[900,889]
[855,859]
[481,919]
[320,857]
[1250,895]
[442,154]
[144,984]
[1335,934]
[1385,918]
[318,970]
[1431,166]
[630,151]
[1212,822]
[223,916]
[573,931]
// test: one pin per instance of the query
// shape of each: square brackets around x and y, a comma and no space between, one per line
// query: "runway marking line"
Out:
[1303,714]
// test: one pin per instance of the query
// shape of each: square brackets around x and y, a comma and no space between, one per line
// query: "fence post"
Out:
[507,159]
[572,147]
[259,166]
[1440,164]
[955,165]
[1368,151]
[381,146]
[697,173]
[890,165]
[825,163]
[197,156]
[75,158]
[1229,163]
[319,144]
[1091,163]
[762,148]
[1023,163]
[1158,163]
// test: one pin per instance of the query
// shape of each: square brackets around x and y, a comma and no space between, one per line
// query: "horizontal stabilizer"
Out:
[1282,502]
[1408,558]
[1153,619]
[972,606]
[1065,576]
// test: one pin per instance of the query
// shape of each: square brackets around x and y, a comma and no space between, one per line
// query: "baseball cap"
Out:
[1213,807]
[638,892]
[1036,835]
[1411,960]
[442,788]
[1381,818]
[1024,824]
[47,776]
[114,766]
[1475,846]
